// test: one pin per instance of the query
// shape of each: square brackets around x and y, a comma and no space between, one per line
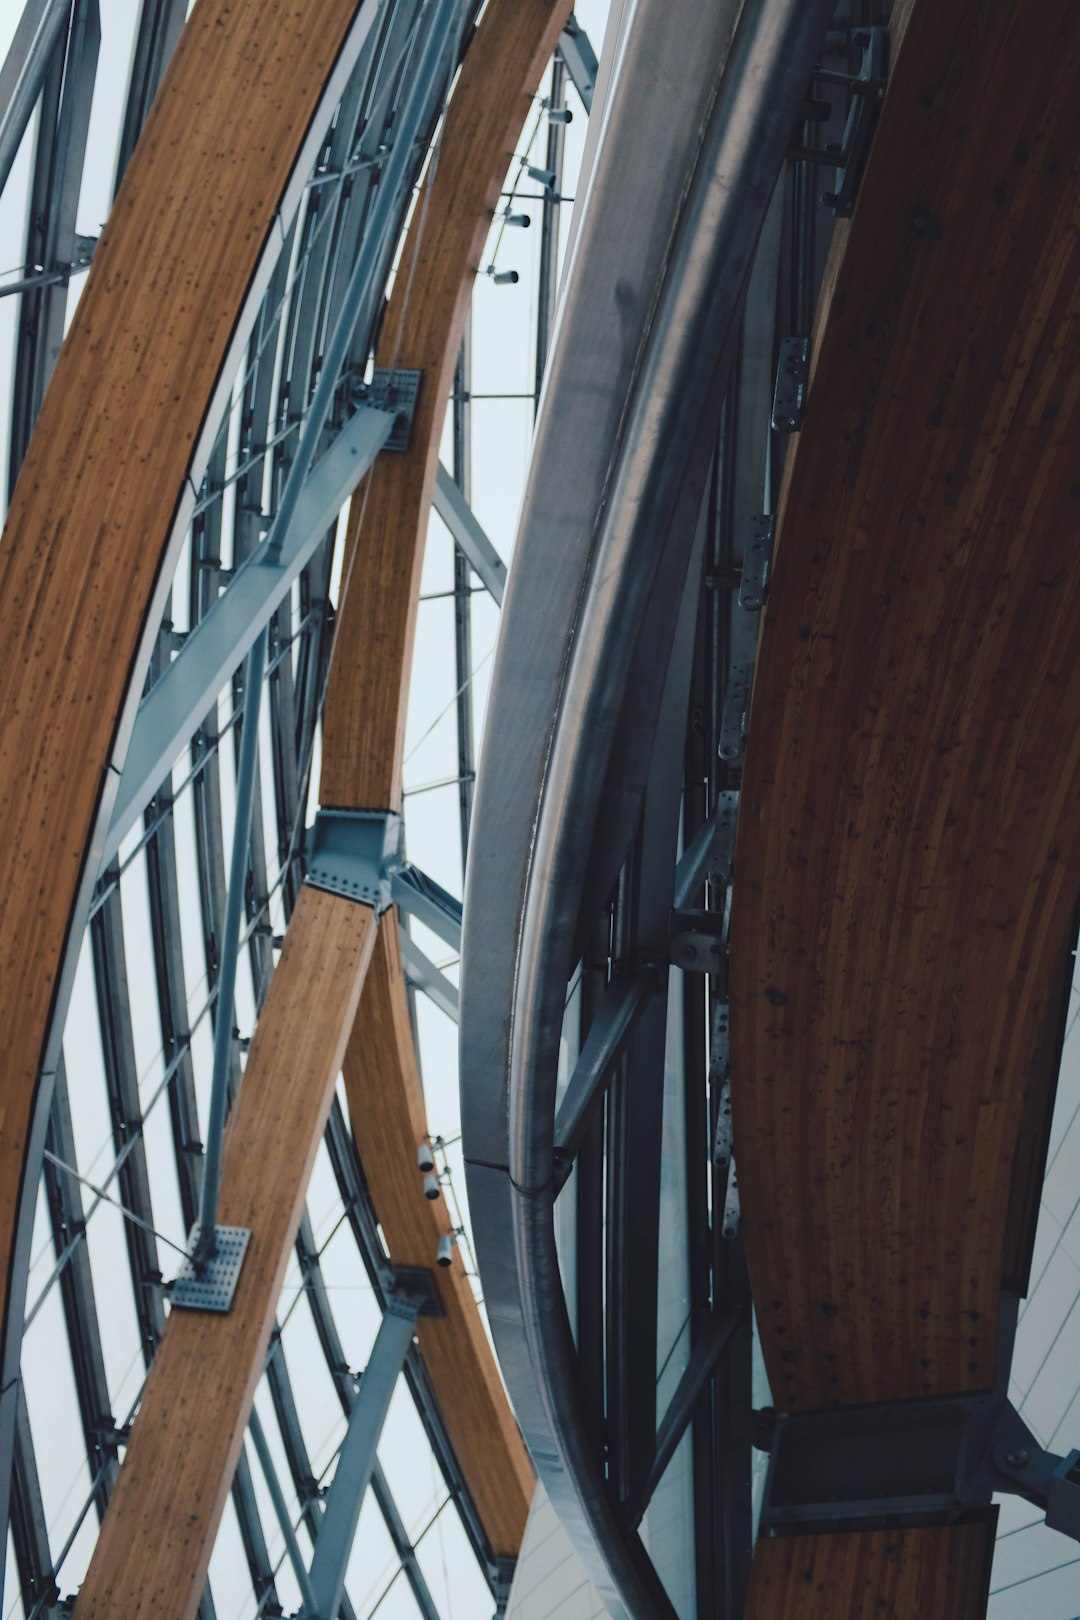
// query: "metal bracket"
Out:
[213,1288]
[898,1462]
[697,941]
[413,1293]
[867,91]
[720,1080]
[730,1227]
[355,853]
[722,862]
[733,719]
[757,563]
[395,391]
[789,394]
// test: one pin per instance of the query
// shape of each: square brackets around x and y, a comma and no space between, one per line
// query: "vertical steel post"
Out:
[206,1247]
[333,1544]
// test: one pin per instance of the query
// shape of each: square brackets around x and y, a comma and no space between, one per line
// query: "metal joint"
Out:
[900,1462]
[789,394]
[757,563]
[698,942]
[207,1282]
[866,90]
[356,853]
[413,1293]
[395,391]
[733,718]
[726,815]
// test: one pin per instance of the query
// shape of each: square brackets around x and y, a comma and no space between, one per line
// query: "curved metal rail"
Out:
[556,706]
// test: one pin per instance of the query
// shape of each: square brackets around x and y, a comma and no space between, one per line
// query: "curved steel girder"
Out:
[635,474]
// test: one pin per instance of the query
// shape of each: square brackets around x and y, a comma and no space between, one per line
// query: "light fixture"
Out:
[424,1157]
[445,1253]
[431,1187]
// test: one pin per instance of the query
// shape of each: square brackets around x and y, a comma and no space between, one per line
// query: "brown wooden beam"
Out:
[100,498]
[939,1573]
[155,1543]
[386,1106]
[910,815]
[364,719]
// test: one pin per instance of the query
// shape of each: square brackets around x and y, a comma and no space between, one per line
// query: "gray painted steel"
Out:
[207,1244]
[333,1544]
[175,705]
[39,29]
[630,402]
[458,516]
[422,973]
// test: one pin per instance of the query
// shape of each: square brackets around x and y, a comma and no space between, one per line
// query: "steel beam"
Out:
[421,972]
[172,710]
[333,1543]
[458,516]
[23,73]
[576,51]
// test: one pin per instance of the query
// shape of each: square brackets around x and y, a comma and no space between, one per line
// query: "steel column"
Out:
[357,1458]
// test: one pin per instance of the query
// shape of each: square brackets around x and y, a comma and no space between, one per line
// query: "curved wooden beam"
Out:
[364,718]
[910,814]
[875,1574]
[367,697]
[156,1539]
[390,1122]
[105,493]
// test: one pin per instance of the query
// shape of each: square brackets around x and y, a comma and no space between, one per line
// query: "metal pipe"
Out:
[206,1247]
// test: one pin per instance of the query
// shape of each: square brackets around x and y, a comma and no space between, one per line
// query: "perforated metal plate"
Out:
[214,1290]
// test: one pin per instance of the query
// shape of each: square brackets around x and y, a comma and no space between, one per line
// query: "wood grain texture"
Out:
[100,488]
[364,718]
[386,1105]
[910,817]
[154,1548]
[939,1573]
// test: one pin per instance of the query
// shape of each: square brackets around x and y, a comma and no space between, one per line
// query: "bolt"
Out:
[1017,1459]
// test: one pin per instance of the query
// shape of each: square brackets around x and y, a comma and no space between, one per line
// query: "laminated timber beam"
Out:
[152,1554]
[389,1122]
[910,813]
[104,498]
[364,717]
[502,66]
[933,1571]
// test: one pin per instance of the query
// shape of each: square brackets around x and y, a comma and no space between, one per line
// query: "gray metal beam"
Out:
[457,514]
[333,1544]
[576,51]
[23,73]
[624,1002]
[173,709]
[413,891]
[421,972]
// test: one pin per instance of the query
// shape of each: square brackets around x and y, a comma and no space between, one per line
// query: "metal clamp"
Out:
[395,391]
[789,394]
[757,563]
[356,853]
[733,718]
